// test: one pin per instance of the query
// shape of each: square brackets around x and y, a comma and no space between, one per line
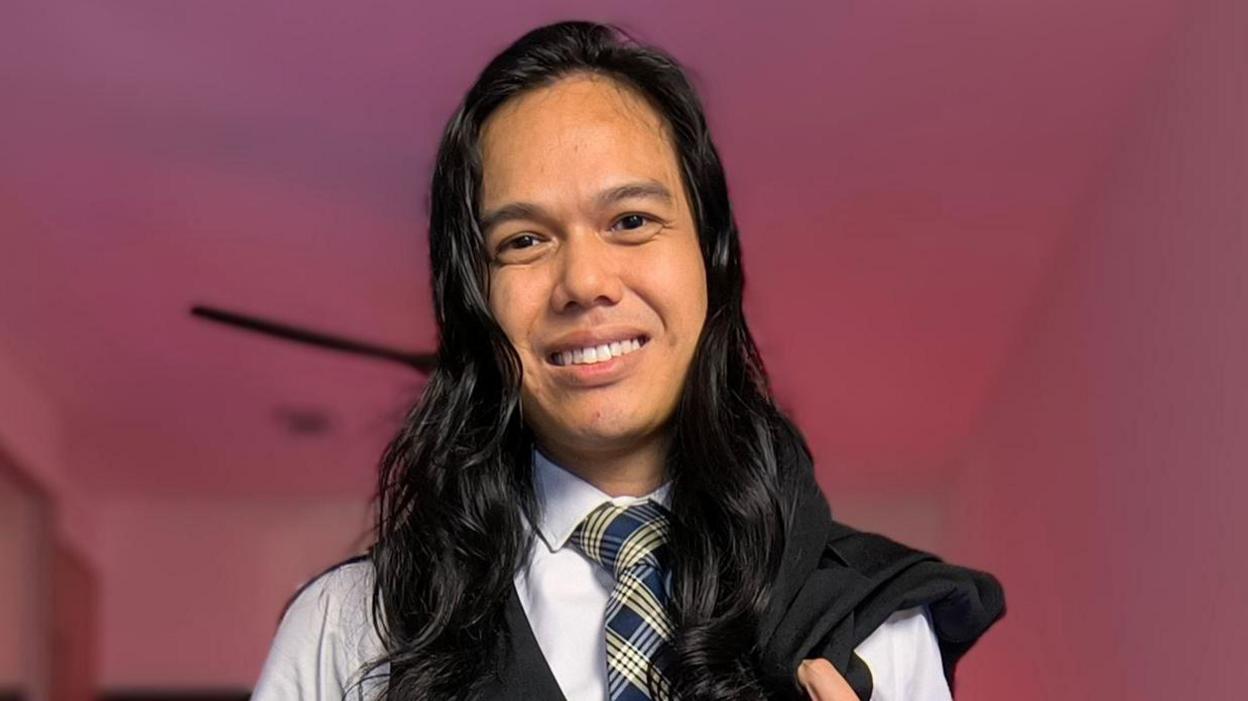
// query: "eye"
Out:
[519,242]
[632,222]
[521,248]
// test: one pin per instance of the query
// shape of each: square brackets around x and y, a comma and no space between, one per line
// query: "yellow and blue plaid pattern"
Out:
[631,543]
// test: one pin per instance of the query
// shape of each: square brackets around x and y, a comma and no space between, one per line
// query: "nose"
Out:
[588,274]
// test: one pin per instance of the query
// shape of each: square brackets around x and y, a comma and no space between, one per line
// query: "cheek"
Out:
[505,310]
[678,286]
[516,307]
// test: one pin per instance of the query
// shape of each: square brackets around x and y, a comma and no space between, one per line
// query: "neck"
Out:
[633,471]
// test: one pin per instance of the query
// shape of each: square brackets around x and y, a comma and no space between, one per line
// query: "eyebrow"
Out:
[641,189]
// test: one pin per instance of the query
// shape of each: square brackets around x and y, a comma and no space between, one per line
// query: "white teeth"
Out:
[597,354]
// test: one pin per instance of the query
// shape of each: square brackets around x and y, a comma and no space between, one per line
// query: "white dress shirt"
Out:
[327,633]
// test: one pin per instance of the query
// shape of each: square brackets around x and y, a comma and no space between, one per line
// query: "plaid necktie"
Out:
[631,543]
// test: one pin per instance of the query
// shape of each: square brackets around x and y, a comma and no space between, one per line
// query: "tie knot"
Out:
[621,538]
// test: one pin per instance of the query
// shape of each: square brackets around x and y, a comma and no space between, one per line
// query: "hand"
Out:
[823,683]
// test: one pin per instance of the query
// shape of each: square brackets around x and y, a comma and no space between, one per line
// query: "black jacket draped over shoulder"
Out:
[837,585]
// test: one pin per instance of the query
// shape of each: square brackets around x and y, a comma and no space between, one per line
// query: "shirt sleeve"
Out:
[324,640]
[904,658]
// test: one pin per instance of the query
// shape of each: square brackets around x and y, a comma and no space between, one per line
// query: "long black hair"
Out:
[456,482]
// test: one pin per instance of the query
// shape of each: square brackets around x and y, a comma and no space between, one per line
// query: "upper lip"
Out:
[595,337]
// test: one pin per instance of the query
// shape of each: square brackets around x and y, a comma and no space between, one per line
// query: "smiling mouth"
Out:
[591,355]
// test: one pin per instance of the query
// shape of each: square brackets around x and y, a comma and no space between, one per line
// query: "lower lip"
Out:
[599,374]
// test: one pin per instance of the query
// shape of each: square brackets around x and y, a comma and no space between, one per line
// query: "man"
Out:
[596,496]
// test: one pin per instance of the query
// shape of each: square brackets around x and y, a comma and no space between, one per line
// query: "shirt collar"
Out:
[564,500]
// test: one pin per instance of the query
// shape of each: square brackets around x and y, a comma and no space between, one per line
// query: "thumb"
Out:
[823,683]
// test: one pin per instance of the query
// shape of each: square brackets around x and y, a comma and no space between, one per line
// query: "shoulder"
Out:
[962,603]
[326,637]
[923,614]
[904,658]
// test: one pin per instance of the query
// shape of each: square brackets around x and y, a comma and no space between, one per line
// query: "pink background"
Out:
[995,251]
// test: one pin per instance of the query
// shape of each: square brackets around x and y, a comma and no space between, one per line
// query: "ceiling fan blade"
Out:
[422,362]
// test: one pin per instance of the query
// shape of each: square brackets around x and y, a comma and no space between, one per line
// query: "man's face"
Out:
[596,275]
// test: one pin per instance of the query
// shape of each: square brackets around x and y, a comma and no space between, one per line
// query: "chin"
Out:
[600,428]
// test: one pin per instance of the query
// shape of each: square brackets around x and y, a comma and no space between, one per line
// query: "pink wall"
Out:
[191,588]
[32,439]
[38,505]
[12,546]
[1106,484]
[26,533]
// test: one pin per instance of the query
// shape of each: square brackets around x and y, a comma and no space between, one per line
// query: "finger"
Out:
[823,683]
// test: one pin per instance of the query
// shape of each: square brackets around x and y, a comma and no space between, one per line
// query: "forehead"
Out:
[574,137]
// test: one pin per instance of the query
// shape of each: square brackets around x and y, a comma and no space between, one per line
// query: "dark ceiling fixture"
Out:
[421,362]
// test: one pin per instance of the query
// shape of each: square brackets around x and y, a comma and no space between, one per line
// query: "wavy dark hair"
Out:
[456,482]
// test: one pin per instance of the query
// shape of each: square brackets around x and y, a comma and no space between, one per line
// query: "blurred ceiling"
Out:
[903,173]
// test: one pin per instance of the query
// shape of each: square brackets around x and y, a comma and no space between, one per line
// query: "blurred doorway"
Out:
[47,600]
